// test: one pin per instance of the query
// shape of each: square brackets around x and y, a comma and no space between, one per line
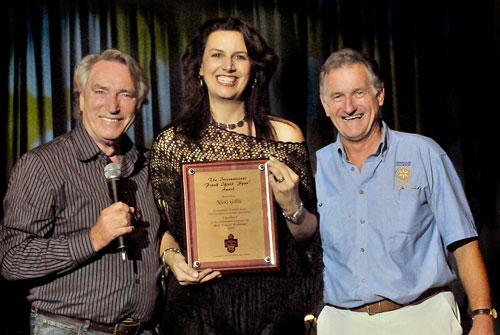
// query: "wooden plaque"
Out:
[229,216]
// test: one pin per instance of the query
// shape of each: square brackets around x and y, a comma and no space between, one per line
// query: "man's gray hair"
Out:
[346,57]
[83,69]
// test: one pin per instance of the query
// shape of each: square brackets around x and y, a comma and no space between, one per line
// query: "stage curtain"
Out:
[437,58]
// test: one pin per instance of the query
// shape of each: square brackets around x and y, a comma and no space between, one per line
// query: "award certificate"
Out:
[229,216]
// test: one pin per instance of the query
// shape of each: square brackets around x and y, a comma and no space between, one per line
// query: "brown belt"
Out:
[387,305]
[126,327]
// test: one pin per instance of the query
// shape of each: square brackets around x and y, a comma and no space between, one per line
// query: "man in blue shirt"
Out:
[391,209]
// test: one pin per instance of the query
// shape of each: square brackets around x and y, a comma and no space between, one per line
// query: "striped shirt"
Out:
[55,195]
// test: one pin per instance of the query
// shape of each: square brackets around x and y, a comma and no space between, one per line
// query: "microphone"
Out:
[112,173]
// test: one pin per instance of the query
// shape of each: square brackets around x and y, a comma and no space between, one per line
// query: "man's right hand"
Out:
[114,221]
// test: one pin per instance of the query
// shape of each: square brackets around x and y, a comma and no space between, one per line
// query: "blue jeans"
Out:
[44,325]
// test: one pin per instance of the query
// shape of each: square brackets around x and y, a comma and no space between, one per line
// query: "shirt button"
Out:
[363,280]
[361,192]
[362,249]
[320,204]
[362,221]
[352,168]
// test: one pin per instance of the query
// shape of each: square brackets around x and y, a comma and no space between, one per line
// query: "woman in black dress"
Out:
[227,69]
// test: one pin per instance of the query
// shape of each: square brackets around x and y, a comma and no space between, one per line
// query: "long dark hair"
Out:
[195,113]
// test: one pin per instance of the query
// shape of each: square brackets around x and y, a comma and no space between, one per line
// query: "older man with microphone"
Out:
[62,219]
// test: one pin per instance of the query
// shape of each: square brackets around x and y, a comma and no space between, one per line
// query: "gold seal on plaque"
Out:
[231,243]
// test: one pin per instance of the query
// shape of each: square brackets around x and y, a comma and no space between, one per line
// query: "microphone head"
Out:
[112,170]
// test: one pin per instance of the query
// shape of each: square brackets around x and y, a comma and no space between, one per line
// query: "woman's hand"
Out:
[285,185]
[184,273]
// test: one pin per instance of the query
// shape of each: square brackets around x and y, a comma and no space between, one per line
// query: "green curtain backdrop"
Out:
[439,59]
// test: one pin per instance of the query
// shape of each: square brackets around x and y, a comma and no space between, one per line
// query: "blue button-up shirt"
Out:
[385,229]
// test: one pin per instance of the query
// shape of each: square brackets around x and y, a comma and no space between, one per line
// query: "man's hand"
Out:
[114,221]
[482,325]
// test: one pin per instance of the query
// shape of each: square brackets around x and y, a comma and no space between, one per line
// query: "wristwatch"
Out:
[485,311]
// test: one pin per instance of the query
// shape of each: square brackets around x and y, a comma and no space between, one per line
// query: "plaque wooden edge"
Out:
[269,220]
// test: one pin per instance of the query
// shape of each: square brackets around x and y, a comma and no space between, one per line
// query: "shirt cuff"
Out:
[80,247]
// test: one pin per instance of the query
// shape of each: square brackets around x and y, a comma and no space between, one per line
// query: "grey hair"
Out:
[346,57]
[83,69]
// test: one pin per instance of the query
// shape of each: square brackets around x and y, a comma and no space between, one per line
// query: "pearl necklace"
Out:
[230,126]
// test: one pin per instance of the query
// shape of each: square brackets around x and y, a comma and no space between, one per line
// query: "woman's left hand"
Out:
[285,185]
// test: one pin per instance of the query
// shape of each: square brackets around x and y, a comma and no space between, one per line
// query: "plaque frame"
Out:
[271,260]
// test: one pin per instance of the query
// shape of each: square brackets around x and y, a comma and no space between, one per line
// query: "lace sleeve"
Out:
[307,189]
[296,157]
[164,171]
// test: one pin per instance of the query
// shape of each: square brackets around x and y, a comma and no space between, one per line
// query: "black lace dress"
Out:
[250,303]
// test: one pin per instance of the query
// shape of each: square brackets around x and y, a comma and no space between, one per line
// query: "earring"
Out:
[254,83]
[201,80]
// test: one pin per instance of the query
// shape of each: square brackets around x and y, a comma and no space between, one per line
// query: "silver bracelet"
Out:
[294,218]
[164,253]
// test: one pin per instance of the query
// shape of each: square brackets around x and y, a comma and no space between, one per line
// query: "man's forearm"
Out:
[37,257]
[474,278]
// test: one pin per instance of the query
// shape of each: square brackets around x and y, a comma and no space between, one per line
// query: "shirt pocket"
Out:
[411,212]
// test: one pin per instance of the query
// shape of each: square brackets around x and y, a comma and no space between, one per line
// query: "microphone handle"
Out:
[121,243]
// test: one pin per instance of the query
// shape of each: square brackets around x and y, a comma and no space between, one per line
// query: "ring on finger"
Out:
[281,179]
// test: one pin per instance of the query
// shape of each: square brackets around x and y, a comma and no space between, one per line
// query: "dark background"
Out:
[439,59]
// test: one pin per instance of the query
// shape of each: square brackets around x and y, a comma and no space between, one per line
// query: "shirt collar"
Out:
[87,150]
[381,148]
[384,140]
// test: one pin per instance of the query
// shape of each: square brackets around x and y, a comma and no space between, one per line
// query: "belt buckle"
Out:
[127,324]
[373,313]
